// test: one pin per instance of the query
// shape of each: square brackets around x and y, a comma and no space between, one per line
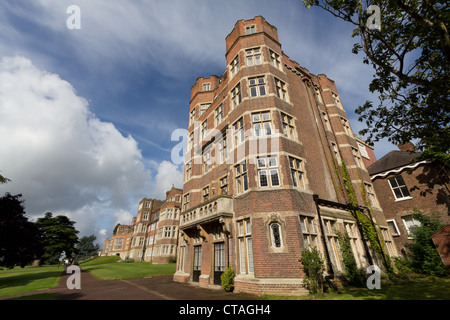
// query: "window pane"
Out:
[257,127]
[267,129]
[276,236]
[398,193]
[393,182]
[274,177]
[272,161]
[405,191]
[294,178]
[242,255]
[266,116]
[262,90]
[244,177]
[261,162]
[263,178]
[253,92]
[250,255]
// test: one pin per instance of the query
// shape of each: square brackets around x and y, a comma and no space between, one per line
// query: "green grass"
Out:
[115,271]
[21,280]
[99,260]
[418,288]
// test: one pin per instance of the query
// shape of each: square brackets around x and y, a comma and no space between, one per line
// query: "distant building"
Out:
[366,151]
[152,235]
[264,177]
[393,176]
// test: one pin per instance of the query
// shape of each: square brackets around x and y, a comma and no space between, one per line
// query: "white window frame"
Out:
[280,89]
[263,121]
[268,166]
[234,66]
[396,229]
[251,29]
[296,167]
[415,224]
[399,187]
[257,87]
[245,247]
[253,57]
[288,125]
[272,235]
[275,59]
[236,95]
[241,177]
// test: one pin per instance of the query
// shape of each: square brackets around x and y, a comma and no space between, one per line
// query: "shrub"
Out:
[227,279]
[313,267]
[423,256]
[128,261]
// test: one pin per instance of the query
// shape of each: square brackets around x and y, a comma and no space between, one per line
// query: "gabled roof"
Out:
[392,160]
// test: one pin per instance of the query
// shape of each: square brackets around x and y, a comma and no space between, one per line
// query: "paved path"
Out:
[151,288]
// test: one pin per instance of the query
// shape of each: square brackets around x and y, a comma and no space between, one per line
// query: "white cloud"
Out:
[57,153]
[168,175]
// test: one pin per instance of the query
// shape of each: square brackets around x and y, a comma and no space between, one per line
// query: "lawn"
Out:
[120,270]
[416,288]
[21,280]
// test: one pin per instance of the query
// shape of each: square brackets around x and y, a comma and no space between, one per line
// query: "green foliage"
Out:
[19,238]
[410,56]
[227,279]
[128,261]
[86,247]
[422,255]
[59,235]
[369,231]
[99,260]
[355,276]
[313,267]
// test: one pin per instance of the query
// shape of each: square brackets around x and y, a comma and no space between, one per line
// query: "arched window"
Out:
[275,235]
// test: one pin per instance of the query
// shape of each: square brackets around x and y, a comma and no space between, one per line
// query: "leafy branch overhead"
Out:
[410,55]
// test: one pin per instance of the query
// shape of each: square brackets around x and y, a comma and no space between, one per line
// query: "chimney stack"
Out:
[407,147]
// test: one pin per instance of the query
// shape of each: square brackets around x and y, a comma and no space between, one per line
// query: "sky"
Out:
[87,115]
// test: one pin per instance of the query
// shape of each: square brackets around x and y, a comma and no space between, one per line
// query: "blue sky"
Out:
[86,116]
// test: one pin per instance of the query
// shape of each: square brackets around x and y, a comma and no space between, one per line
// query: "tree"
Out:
[59,236]
[86,247]
[4,179]
[19,238]
[410,53]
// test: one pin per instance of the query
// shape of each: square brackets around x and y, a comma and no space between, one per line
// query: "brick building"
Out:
[393,176]
[264,175]
[153,233]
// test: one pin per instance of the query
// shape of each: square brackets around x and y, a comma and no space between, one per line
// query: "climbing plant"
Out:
[354,275]
[368,228]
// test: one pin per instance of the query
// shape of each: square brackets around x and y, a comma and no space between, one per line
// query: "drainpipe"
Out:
[330,266]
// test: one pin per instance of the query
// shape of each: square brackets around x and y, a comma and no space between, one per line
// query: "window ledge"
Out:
[403,199]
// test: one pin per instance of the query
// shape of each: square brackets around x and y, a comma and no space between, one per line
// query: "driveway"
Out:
[150,288]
